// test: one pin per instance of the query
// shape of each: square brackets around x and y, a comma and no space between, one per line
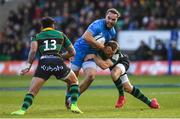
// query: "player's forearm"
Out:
[67,55]
[70,52]
[104,64]
[31,56]
[32,52]
[90,39]
[95,44]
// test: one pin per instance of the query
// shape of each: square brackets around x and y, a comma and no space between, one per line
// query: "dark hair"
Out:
[112,44]
[113,10]
[47,22]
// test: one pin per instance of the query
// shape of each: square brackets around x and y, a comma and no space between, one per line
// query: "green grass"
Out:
[97,103]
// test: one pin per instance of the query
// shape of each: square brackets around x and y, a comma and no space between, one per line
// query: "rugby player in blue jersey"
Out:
[87,44]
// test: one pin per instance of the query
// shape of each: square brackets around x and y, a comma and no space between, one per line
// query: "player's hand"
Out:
[101,46]
[88,57]
[25,69]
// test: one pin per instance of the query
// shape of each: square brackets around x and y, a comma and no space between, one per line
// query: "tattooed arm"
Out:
[103,64]
[31,56]
[32,52]
[70,52]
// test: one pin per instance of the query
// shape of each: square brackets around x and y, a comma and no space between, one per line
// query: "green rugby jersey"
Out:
[118,57]
[51,41]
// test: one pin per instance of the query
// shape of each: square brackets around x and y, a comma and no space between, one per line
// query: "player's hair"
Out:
[113,10]
[113,44]
[47,22]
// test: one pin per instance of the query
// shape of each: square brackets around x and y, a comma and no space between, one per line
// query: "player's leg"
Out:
[35,86]
[116,72]
[75,65]
[74,90]
[89,68]
[136,92]
[76,70]
[40,77]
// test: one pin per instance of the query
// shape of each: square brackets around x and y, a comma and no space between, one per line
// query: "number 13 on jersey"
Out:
[50,45]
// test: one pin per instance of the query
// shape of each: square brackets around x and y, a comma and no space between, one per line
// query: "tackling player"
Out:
[118,64]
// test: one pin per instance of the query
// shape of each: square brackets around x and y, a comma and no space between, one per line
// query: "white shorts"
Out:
[89,64]
[124,78]
[122,67]
[74,67]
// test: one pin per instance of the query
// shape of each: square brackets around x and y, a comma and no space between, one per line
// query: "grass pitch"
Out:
[96,102]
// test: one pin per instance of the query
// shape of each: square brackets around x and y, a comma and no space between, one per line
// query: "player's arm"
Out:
[31,56]
[104,64]
[32,52]
[91,40]
[70,52]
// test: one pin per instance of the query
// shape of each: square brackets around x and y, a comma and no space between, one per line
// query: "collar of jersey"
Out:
[48,28]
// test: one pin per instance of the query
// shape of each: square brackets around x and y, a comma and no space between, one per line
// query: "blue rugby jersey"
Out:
[83,48]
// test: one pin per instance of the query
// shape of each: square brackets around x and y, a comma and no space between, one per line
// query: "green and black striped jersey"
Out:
[118,57]
[50,41]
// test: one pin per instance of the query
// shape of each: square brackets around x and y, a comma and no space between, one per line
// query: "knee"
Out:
[128,87]
[90,77]
[72,79]
[115,74]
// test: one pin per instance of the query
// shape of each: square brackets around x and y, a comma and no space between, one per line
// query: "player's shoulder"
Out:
[57,31]
[33,38]
[99,22]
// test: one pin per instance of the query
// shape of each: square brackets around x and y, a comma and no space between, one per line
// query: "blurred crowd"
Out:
[73,17]
[160,52]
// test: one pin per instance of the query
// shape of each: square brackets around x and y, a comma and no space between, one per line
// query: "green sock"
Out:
[28,100]
[74,89]
[119,86]
[139,95]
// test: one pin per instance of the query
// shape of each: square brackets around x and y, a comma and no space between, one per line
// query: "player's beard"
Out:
[109,25]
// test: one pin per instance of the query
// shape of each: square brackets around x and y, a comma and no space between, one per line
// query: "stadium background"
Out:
[148,31]
[145,30]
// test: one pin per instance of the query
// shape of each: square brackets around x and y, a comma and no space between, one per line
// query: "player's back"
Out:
[50,41]
[120,57]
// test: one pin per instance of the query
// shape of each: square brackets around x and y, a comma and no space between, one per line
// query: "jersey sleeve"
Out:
[94,28]
[33,38]
[67,42]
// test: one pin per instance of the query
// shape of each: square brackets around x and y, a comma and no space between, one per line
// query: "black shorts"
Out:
[51,66]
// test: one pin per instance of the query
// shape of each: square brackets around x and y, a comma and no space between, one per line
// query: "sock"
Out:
[74,89]
[28,100]
[119,86]
[69,95]
[139,95]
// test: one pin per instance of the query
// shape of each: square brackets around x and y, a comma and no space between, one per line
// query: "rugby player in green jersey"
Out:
[118,63]
[49,43]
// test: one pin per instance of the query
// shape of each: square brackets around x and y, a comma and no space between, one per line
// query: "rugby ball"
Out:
[100,39]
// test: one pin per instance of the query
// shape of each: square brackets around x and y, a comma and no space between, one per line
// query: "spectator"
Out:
[160,51]
[175,52]
[143,52]
[76,15]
